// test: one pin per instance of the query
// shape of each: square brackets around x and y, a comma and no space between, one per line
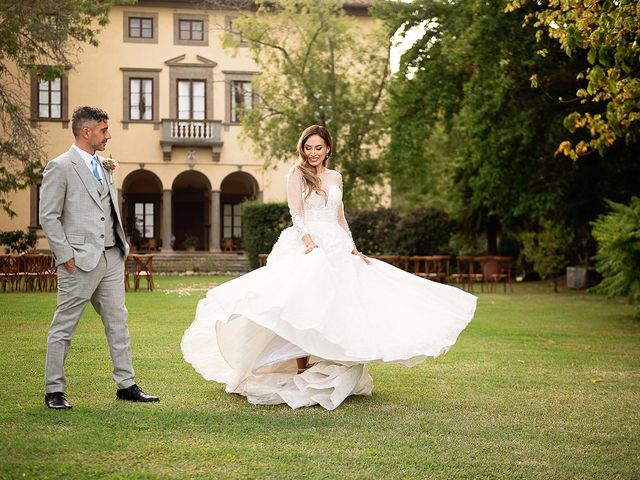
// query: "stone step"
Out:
[197,263]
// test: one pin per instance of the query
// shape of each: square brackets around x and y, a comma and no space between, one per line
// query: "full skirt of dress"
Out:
[329,305]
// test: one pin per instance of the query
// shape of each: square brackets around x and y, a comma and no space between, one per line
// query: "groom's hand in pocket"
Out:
[70,265]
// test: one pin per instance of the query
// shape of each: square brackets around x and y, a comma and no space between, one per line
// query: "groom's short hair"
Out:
[82,115]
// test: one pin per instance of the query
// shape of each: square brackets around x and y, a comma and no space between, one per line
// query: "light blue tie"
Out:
[94,164]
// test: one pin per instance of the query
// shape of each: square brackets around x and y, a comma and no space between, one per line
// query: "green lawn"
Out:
[540,385]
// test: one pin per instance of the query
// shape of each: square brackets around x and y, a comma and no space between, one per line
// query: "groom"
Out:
[79,215]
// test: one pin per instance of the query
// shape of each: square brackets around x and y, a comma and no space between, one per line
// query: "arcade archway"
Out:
[235,188]
[191,211]
[142,209]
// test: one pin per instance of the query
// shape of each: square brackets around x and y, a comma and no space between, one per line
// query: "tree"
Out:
[608,33]
[463,115]
[463,111]
[547,249]
[317,67]
[38,37]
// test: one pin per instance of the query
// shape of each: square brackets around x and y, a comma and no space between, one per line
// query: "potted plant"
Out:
[190,242]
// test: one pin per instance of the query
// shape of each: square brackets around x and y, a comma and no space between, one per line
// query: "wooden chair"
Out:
[127,285]
[143,269]
[438,268]
[496,269]
[418,265]
[50,272]
[464,275]
[431,267]
[503,272]
[487,267]
[391,259]
[34,271]
[406,263]
[478,276]
[9,272]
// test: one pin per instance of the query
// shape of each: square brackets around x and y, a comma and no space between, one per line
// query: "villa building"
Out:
[174,97]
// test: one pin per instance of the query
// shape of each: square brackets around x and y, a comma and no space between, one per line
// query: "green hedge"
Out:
[425,231]
[374,231]
[18,241]
[382,231]
[261,226]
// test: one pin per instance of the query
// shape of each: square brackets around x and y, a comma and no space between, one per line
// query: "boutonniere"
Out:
[110,164]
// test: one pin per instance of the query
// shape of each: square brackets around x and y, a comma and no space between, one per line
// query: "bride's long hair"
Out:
[309,175]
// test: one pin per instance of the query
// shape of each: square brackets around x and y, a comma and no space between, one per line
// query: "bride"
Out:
[302,329]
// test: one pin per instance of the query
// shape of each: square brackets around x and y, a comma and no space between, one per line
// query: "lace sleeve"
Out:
[342,220]
[295,200]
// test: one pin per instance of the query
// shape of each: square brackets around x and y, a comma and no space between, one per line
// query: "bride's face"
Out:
[316,150]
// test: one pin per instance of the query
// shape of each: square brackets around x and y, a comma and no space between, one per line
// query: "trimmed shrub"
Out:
[261,226]
[509,245]
[374,230]
[425,231]
[19,241]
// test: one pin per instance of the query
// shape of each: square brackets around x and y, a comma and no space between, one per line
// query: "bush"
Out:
[18,241]
[547,249]
[509,245]
[384,232]
[425,231]
[618,254]
[373,231]
[261,226]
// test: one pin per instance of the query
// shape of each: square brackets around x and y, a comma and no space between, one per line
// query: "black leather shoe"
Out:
[134,394]
[56,401]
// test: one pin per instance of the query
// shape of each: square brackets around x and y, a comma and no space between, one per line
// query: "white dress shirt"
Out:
[88,160]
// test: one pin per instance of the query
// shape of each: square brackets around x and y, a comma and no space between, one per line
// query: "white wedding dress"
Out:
[328,304]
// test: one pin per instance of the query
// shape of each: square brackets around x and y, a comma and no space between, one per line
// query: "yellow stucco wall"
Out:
[97,79]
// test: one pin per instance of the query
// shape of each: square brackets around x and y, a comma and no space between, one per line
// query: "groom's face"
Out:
[97,135]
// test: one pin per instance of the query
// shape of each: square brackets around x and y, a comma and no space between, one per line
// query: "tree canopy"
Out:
[37,37]
[467,128]
[317,66]
[608,32]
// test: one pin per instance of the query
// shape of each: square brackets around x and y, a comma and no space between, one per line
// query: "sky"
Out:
[400,44]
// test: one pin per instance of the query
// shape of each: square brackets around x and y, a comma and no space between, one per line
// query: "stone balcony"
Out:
[191,133]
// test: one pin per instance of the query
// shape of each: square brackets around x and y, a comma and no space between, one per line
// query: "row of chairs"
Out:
[32,272]
[487,270]
[27,272]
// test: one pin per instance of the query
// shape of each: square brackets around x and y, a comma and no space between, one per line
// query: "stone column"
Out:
[167,226]
[214,237]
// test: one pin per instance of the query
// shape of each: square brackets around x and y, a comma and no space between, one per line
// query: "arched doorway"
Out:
[190,211]
[142,209]
[235,188]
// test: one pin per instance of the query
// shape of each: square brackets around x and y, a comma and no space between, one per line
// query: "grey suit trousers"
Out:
[104,287]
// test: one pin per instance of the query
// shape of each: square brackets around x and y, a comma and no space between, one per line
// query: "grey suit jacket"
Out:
[71,213]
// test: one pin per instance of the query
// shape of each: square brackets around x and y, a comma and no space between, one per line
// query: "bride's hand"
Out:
[310,248]
[362,256]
